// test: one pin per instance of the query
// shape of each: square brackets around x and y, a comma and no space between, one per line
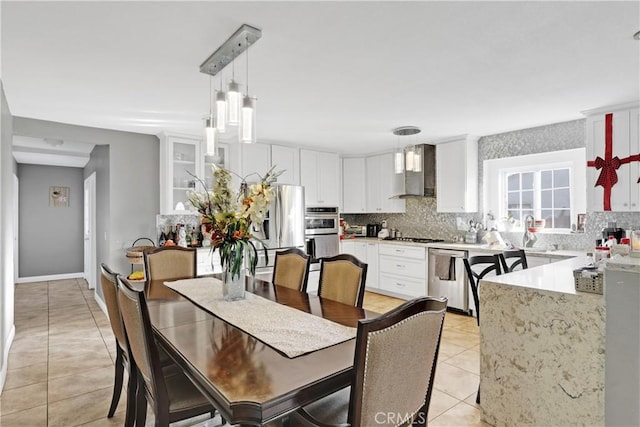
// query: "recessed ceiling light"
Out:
[637,35]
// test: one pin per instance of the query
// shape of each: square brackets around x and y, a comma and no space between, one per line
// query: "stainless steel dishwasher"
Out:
[454,285]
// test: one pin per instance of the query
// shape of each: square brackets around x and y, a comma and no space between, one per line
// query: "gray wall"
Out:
[99,163]
[7,168]
[421,218]
[134,183]
[51,238]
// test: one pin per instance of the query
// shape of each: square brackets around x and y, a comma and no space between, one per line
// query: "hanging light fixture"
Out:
[398,158]
[411,155]
[248,133]
[210,126]
[231,106]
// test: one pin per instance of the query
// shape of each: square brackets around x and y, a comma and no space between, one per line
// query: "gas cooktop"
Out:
[415,239]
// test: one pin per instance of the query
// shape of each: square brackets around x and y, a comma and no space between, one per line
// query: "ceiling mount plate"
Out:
[239,41]
[406,130]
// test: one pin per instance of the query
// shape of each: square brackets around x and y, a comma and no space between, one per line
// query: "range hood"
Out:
[423,183]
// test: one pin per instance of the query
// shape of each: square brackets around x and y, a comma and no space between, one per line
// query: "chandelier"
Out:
[233,110]
[409,158]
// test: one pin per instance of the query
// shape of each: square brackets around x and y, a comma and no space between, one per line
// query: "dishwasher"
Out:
[449,282]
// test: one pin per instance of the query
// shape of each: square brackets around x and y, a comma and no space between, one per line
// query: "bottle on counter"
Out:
[163,239]
[171,235]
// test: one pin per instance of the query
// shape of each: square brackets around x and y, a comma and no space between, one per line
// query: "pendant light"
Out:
[411,155]
[221,109]
[234,98]
[398,158]
[248,130]
[210,126]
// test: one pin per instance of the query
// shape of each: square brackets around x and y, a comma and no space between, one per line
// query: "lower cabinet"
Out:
[402,270]
[365,252]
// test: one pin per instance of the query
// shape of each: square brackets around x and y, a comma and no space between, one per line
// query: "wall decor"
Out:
[59,197]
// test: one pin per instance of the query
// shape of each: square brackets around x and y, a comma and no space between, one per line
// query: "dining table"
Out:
[247,380]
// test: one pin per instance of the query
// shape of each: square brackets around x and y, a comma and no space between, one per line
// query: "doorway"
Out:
[90,271]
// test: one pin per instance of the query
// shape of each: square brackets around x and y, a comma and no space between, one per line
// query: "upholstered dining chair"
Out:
[171,395]
[169,263]
[291,269]
[395,365]
[110,293]
[520,260]
[477,267]
[342,279]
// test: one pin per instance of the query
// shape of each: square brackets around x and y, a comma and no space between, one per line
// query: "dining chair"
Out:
[394,367]
[169,392]
[520,260]
[169,263]
[110,294]
[291,269]
[342,279]
[477,267]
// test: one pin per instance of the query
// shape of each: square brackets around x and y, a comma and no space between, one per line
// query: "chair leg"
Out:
[117,382]
[132,387]
[141,403]
[478,395]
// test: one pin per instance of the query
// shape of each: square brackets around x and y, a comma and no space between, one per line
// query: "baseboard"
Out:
[50,277]
[5,357]
[101,304]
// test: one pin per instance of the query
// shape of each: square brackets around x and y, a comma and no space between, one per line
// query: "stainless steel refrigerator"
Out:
[283,226]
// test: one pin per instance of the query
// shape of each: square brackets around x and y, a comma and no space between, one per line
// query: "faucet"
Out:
[529,238]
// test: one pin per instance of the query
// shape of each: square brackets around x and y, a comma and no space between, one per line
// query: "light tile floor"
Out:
[60,369]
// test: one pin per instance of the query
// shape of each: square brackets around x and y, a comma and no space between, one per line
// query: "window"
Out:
[550,186]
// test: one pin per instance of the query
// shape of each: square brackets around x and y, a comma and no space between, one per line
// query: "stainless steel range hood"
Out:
[423,183]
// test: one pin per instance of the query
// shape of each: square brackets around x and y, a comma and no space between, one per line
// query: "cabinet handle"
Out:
[402,285]
[400,251]
[401,266]
[624,204]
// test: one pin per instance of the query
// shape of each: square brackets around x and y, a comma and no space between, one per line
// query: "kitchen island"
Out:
[542,348]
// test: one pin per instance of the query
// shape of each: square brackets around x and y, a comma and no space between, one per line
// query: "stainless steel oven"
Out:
[321,231]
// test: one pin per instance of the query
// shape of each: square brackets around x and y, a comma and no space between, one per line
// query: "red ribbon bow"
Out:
[608,176]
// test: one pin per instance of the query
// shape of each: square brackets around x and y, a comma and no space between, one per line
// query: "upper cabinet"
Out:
[613,160]
[353,185]
[382,184]
[255,161]
[320,176]
[286,159]
[457,175]
[182,159]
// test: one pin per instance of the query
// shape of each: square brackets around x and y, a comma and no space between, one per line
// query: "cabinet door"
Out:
[374,195]
[328,179]
[353,185]
[256,161]
[348,247]
[372,266]
[180,159]
[457,175]
[287,159]
[621,145]
[220,159]
[309,176]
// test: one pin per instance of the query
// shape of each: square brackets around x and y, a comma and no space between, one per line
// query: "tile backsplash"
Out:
[421,219]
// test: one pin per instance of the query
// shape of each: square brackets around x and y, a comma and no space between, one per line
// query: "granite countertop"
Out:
[554,277]
[626,264]
[540,252]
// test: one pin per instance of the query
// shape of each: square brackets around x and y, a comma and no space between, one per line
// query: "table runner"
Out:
[286,329]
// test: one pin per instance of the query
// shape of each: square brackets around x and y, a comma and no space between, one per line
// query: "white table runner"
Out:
[288,330]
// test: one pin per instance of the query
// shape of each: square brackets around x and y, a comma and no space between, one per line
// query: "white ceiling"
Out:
[331,75]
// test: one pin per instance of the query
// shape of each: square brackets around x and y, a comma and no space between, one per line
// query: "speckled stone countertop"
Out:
[624,264]
[540,252]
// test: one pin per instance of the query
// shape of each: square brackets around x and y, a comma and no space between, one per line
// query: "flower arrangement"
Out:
[231,216]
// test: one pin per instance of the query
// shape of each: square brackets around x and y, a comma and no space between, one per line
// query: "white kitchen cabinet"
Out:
[255,160]
[286,159]
[365,252]
[402,270]
[457,175]
[320,176]
[625,194]
[180,156]
[353,185]
[382,184]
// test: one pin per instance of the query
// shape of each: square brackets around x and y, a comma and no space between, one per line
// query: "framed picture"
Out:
[59,197]
[582,218]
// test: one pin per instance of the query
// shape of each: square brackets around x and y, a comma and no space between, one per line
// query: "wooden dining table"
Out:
[248,381]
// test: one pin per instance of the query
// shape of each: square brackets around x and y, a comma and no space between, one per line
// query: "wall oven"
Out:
[321,231]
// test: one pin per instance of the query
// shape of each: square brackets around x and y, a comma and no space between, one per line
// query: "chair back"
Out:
[110,293]
[395,363]
[520,260]
[169,263]
[484,264]
[342,279]
[142,346]
[291,269]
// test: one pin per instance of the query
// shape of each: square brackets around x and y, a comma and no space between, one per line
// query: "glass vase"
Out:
[233,282]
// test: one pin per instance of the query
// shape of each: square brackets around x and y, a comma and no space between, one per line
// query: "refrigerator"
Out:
[283,226]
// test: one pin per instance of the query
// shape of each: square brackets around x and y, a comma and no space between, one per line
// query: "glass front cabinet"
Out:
[182,159]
